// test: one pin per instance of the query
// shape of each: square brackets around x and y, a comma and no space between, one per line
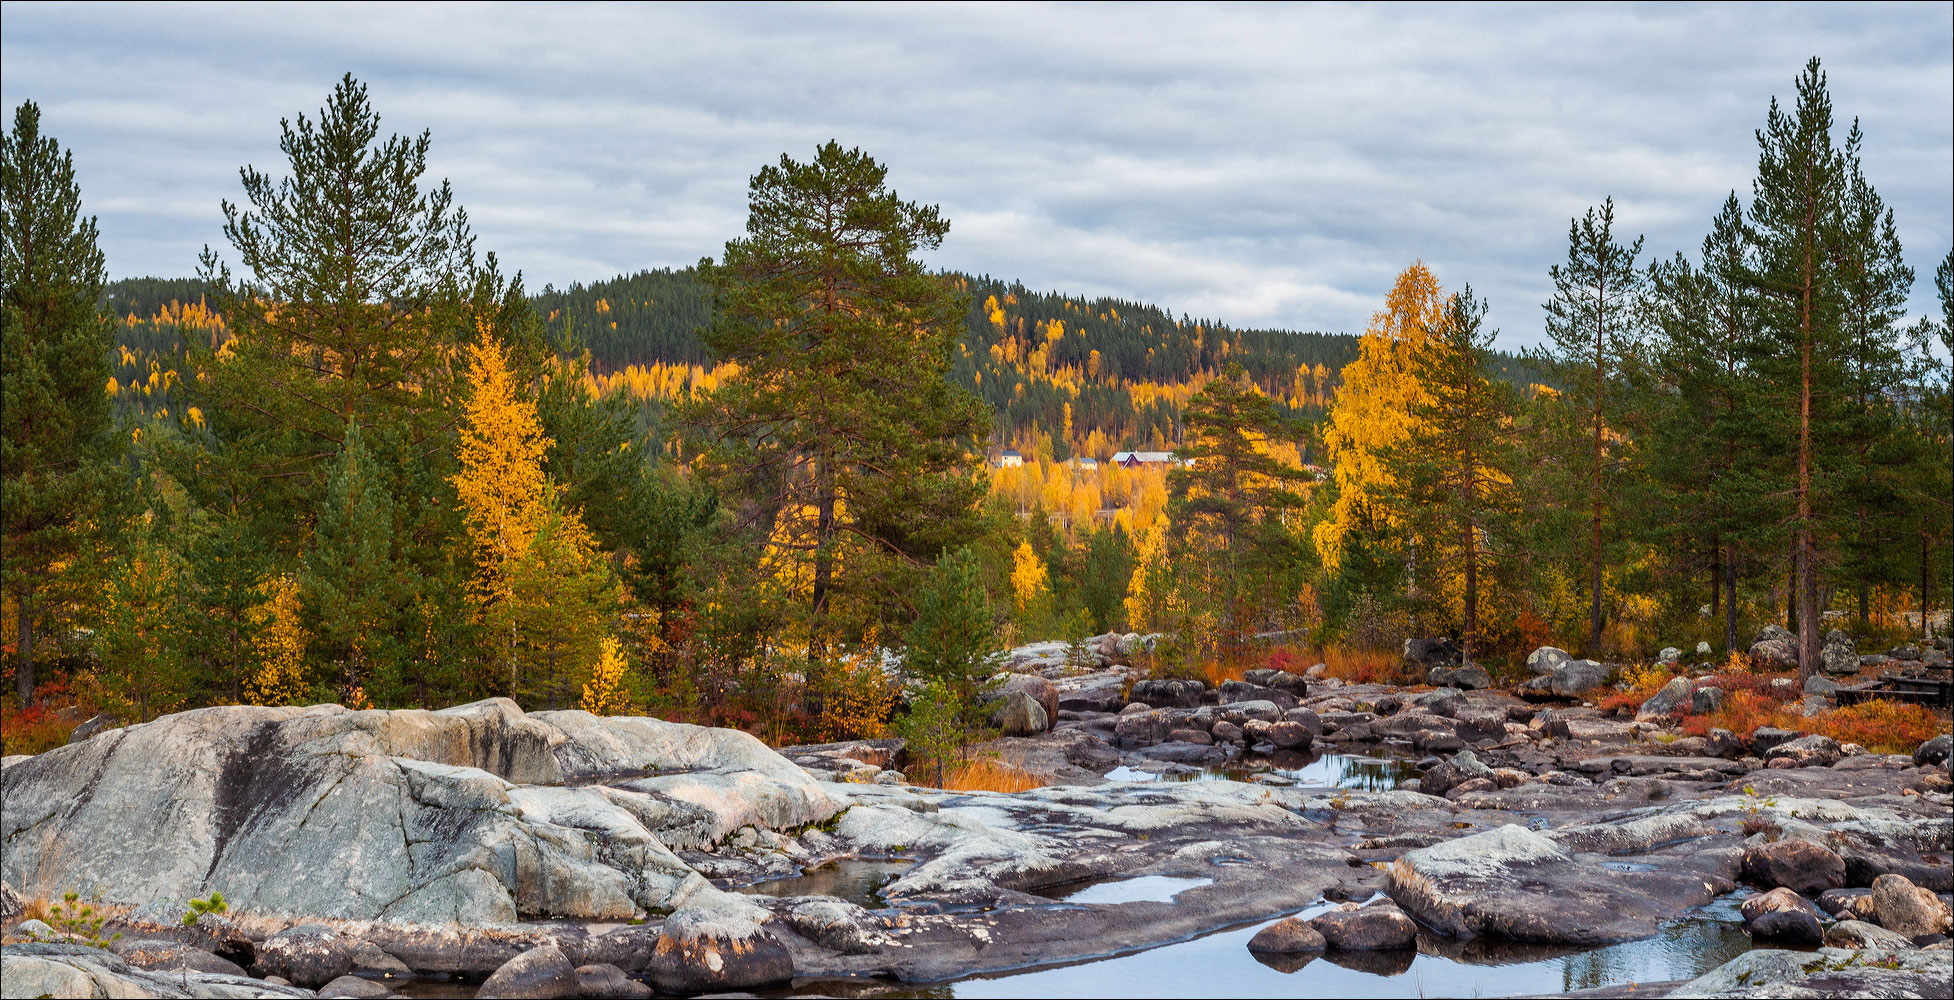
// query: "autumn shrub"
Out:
[1366,666]
[45,724]
[1743,712]
[988,774]
[1879,725]
[1285,659]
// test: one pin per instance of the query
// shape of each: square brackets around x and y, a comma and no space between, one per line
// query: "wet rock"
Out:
[1289,735]
[1799,865]
[608,982]
[537,974]
[1907,909]
[356,988]
[1857,934]
[1670,700]
[310,955]
[1379,926]
[1791,928]
[1470,677]
[1288,936]
[1828,972]
[1777,901]
[705,951]
[1162,693]
[1806,751]
[1463,766]
[1514,883]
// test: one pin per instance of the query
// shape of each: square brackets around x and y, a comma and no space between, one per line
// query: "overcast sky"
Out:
[1257,165]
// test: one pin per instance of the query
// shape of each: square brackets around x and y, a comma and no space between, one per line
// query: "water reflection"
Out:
[1377,769]
[1143,889]
[857,880]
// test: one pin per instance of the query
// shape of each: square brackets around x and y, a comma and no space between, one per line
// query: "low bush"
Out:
[1880,726]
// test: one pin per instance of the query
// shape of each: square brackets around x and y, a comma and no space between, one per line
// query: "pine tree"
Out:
[143,667]
[58,449]
[1591,326]
[1795,234]
[838,434]
[951,648]
[1228,498]
[1453,473]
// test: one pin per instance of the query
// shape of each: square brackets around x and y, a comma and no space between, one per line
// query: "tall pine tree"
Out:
[58,449]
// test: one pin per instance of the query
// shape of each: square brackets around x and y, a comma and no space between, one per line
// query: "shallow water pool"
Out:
[1378,770]
[857,880]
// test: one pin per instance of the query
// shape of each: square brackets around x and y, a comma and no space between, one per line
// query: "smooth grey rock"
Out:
[1577,678]
[1515,883]
[1668,701]
[537,974]
[94,726]
[1828,972]
[470,814]
[1020,714]
[1793,928]
[1819,684]
[1470,677]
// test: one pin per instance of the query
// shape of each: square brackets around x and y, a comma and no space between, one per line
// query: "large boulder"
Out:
[1776,901]
[1789,928]
[1421,655]
[1837,655]
[1467,677]
[1799,865]
[470,814]
[1578,678]
[1934,751]
[1377,926]
[1857,934]
[1775,649]
[1017,713]
[1514,883]
[709,951]
[1806,751]
[1040,690]
[1908,909]
[1547,659]
[1463,766]
[1672,699]
[1165,693]
[1288,936]
[537,974]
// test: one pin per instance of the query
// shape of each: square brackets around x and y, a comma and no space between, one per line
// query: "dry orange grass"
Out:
[986,774]
[1364,666]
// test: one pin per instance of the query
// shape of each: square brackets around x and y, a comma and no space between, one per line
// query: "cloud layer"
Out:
[1257,165]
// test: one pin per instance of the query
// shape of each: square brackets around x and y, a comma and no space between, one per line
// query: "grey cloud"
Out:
[1259,165]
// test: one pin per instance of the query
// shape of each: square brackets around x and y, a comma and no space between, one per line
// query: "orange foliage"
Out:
[1363,666]
[986,774]
[1881,726]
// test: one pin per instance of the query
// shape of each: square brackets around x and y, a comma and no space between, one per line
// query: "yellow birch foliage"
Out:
[279,645]
[1029,581]
[1372,411]
[604,693]
[501,450]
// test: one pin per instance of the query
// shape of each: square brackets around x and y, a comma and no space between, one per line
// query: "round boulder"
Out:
[1908,909]
[537,974]
[1379,926]
[1799,865]
[1287,936]
[711,951]
[1786,927]
[1776,901]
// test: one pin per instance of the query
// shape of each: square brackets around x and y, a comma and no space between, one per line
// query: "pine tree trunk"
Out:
[1471,629]
[1716,576]
[1807,568]
[1926,629]
[24,653]
[1730,612]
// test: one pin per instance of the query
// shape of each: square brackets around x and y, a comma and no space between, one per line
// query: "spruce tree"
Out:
[951,649]
[1592,333]
[839,438]
[352,585]
[58,448]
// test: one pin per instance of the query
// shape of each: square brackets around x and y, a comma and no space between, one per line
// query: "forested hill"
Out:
[1063,373]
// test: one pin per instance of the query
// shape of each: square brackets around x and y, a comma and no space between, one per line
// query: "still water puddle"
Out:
[1378,771]
[857,880]
[1143,889]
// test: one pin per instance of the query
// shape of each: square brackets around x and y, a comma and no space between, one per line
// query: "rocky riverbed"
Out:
[1273,827]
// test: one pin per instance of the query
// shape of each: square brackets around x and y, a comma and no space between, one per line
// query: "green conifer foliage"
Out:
[352,585]
[57,446]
